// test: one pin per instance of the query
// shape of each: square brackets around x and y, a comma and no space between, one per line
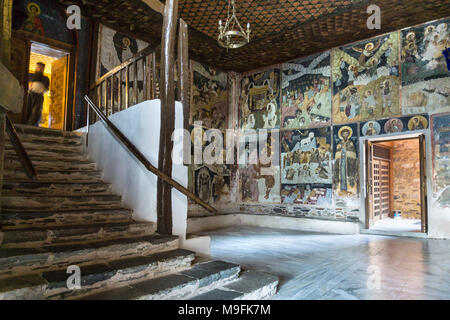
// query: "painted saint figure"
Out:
[346,163]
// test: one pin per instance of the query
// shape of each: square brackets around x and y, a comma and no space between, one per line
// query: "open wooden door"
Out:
[58,89]
[423,184]
[369,189]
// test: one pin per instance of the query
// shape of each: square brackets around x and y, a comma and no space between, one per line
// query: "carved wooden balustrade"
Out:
[134,81]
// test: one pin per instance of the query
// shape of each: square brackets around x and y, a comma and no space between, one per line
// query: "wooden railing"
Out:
[20,150]
[141,158]
[134,81]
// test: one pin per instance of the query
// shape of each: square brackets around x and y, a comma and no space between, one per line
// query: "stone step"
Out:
[51,155]
[54,176]
[49,140]
[15,262]
[35,147]
[48,165]
[200,278]
[115,274]
[26,287]
[27,129]
[55,189]
[251,285]
[33,203]
[39,237]
[26,220]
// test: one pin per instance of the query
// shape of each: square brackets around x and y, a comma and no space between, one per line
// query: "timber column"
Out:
[6,7]
[167,85]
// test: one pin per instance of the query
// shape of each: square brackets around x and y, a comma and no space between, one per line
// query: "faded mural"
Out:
[346,165]
[209,97]
[259,168]
[306,92]
[211,182]
[259,100]
[394,125]
[306,156]
[366,80]
[425,77]
[441,159]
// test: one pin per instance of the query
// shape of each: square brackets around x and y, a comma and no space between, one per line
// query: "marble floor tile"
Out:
[315,266]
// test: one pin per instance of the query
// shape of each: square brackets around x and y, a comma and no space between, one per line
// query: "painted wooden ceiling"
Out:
[281,29]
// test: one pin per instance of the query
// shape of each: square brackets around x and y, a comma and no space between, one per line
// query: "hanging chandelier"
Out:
[232,35]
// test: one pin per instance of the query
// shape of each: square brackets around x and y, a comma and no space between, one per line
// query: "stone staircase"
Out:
[69,216]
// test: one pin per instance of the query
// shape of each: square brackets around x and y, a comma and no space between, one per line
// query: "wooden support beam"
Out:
[183,73]
[156,5]
[6,7]
[167,85]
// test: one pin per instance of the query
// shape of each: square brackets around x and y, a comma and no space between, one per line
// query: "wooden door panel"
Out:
[58,88]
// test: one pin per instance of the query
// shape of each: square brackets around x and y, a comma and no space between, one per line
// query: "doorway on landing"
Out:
[395,178]
[56,69]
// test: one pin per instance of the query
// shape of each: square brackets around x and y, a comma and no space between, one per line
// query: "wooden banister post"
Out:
[183,74]
[167,85]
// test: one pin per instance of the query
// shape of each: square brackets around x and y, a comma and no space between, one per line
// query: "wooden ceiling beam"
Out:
[156,5]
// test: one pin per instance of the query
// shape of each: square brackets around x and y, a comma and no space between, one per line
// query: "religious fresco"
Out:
[306,92]
[307,194]
[441,159]
[259,100]
[213,182]
[425,77]
[371,128]
[43,18]
[306,156]
[346,165]
[366,80]
[394,125]
[259,177]
[209,96]
[114,48]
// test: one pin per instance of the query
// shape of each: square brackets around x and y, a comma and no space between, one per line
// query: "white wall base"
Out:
[200,224]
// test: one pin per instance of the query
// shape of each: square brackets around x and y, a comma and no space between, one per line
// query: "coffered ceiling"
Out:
[281,29]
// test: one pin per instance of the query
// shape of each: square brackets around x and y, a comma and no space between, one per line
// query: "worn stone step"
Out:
[27,129]
[35,147]
[55,189]
[14,262]
[33,203]
[26,287]
[115,274]
[251,285]
[38,237]
[48,165]
[200,278]
[49,140]
[51,155]
[25,220]
[18,175]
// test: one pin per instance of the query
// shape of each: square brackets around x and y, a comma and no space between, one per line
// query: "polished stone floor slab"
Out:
[327,266]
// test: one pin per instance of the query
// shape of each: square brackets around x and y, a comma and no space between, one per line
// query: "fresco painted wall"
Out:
[213,182]
[43,18]
[306,92]
[306,156]
[209,96]
[394,125]
[366,80]
[346,165]
[441,159]
[259,100]
[425,77]
[115,48]
[259,168]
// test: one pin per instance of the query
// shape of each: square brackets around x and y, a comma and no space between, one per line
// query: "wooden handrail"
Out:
[136,153]
[20,150]
[141,54]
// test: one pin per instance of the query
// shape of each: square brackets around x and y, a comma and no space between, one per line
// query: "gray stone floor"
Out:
[327,266]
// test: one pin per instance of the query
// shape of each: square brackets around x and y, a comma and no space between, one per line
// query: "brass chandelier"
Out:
[232,35]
